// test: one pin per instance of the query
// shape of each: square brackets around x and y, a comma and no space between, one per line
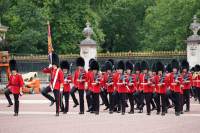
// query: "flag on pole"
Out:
[50,47]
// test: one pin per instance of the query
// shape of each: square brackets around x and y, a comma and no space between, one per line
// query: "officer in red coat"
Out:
[80,80]
[176,85]
[14,86]
[56,82]
[130,85]
[187,82]
[96,85]
[66,90]
[146,85]
[120,83]
[161,82]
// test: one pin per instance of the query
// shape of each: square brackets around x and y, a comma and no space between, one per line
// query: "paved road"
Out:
[36,116]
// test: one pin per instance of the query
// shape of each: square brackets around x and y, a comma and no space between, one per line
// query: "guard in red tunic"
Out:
[89,88]
[56,82]
[109,84]
[137,96]
[131,85]
[96,85]
[104,92]
[175,85]
[66,90]
[120,83]
[80,80]
[161,82]
[14,86]
[197,81]
[146,85]
[187,81]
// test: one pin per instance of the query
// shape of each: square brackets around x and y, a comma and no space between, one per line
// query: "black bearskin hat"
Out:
[90,61]
[121,65]
[64,64]
[169,68]
[192,69]
[159,66]
[103,68]
[13,65]
[175,64]
[153,68]
[137,67]
[129,65]
[144,65]
[112,61]
[108,65]
[55,59]
[94,65]
[80,62]
[185,65]
[197,68]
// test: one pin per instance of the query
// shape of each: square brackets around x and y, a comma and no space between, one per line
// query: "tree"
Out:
[122,25]
[167,24]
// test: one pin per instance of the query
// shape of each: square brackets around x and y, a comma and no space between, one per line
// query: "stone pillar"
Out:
[193,44]
[88,48]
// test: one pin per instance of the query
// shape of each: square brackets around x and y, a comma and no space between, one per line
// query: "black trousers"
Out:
[198,93]
[111,101]
[72,92]
[176,96]
[181,102]
[81,100]
[16,106]
[7,93]
[148,97]
[64,105]
[131,101]
[122,97]
[89,99]
[57,99]
[162,98]
[45,92]
[96,102]
[141,98]
[104,97]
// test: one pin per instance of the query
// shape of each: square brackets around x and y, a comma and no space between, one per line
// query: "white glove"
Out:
[50,65]
[61,89]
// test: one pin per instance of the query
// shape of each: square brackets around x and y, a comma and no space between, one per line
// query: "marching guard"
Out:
[80,80]
[14,86]
[56,82]
[66,90]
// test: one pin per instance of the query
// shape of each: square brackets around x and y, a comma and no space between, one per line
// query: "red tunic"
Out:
[95,83]
[176,86]
[67,81]
[131,83]
[137,81]
[88,79]
[80,78]
[60,77]
[108,81]
[161,84]
[197,81]
[187,80]
[15,83]
[120,82]
[145,85]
